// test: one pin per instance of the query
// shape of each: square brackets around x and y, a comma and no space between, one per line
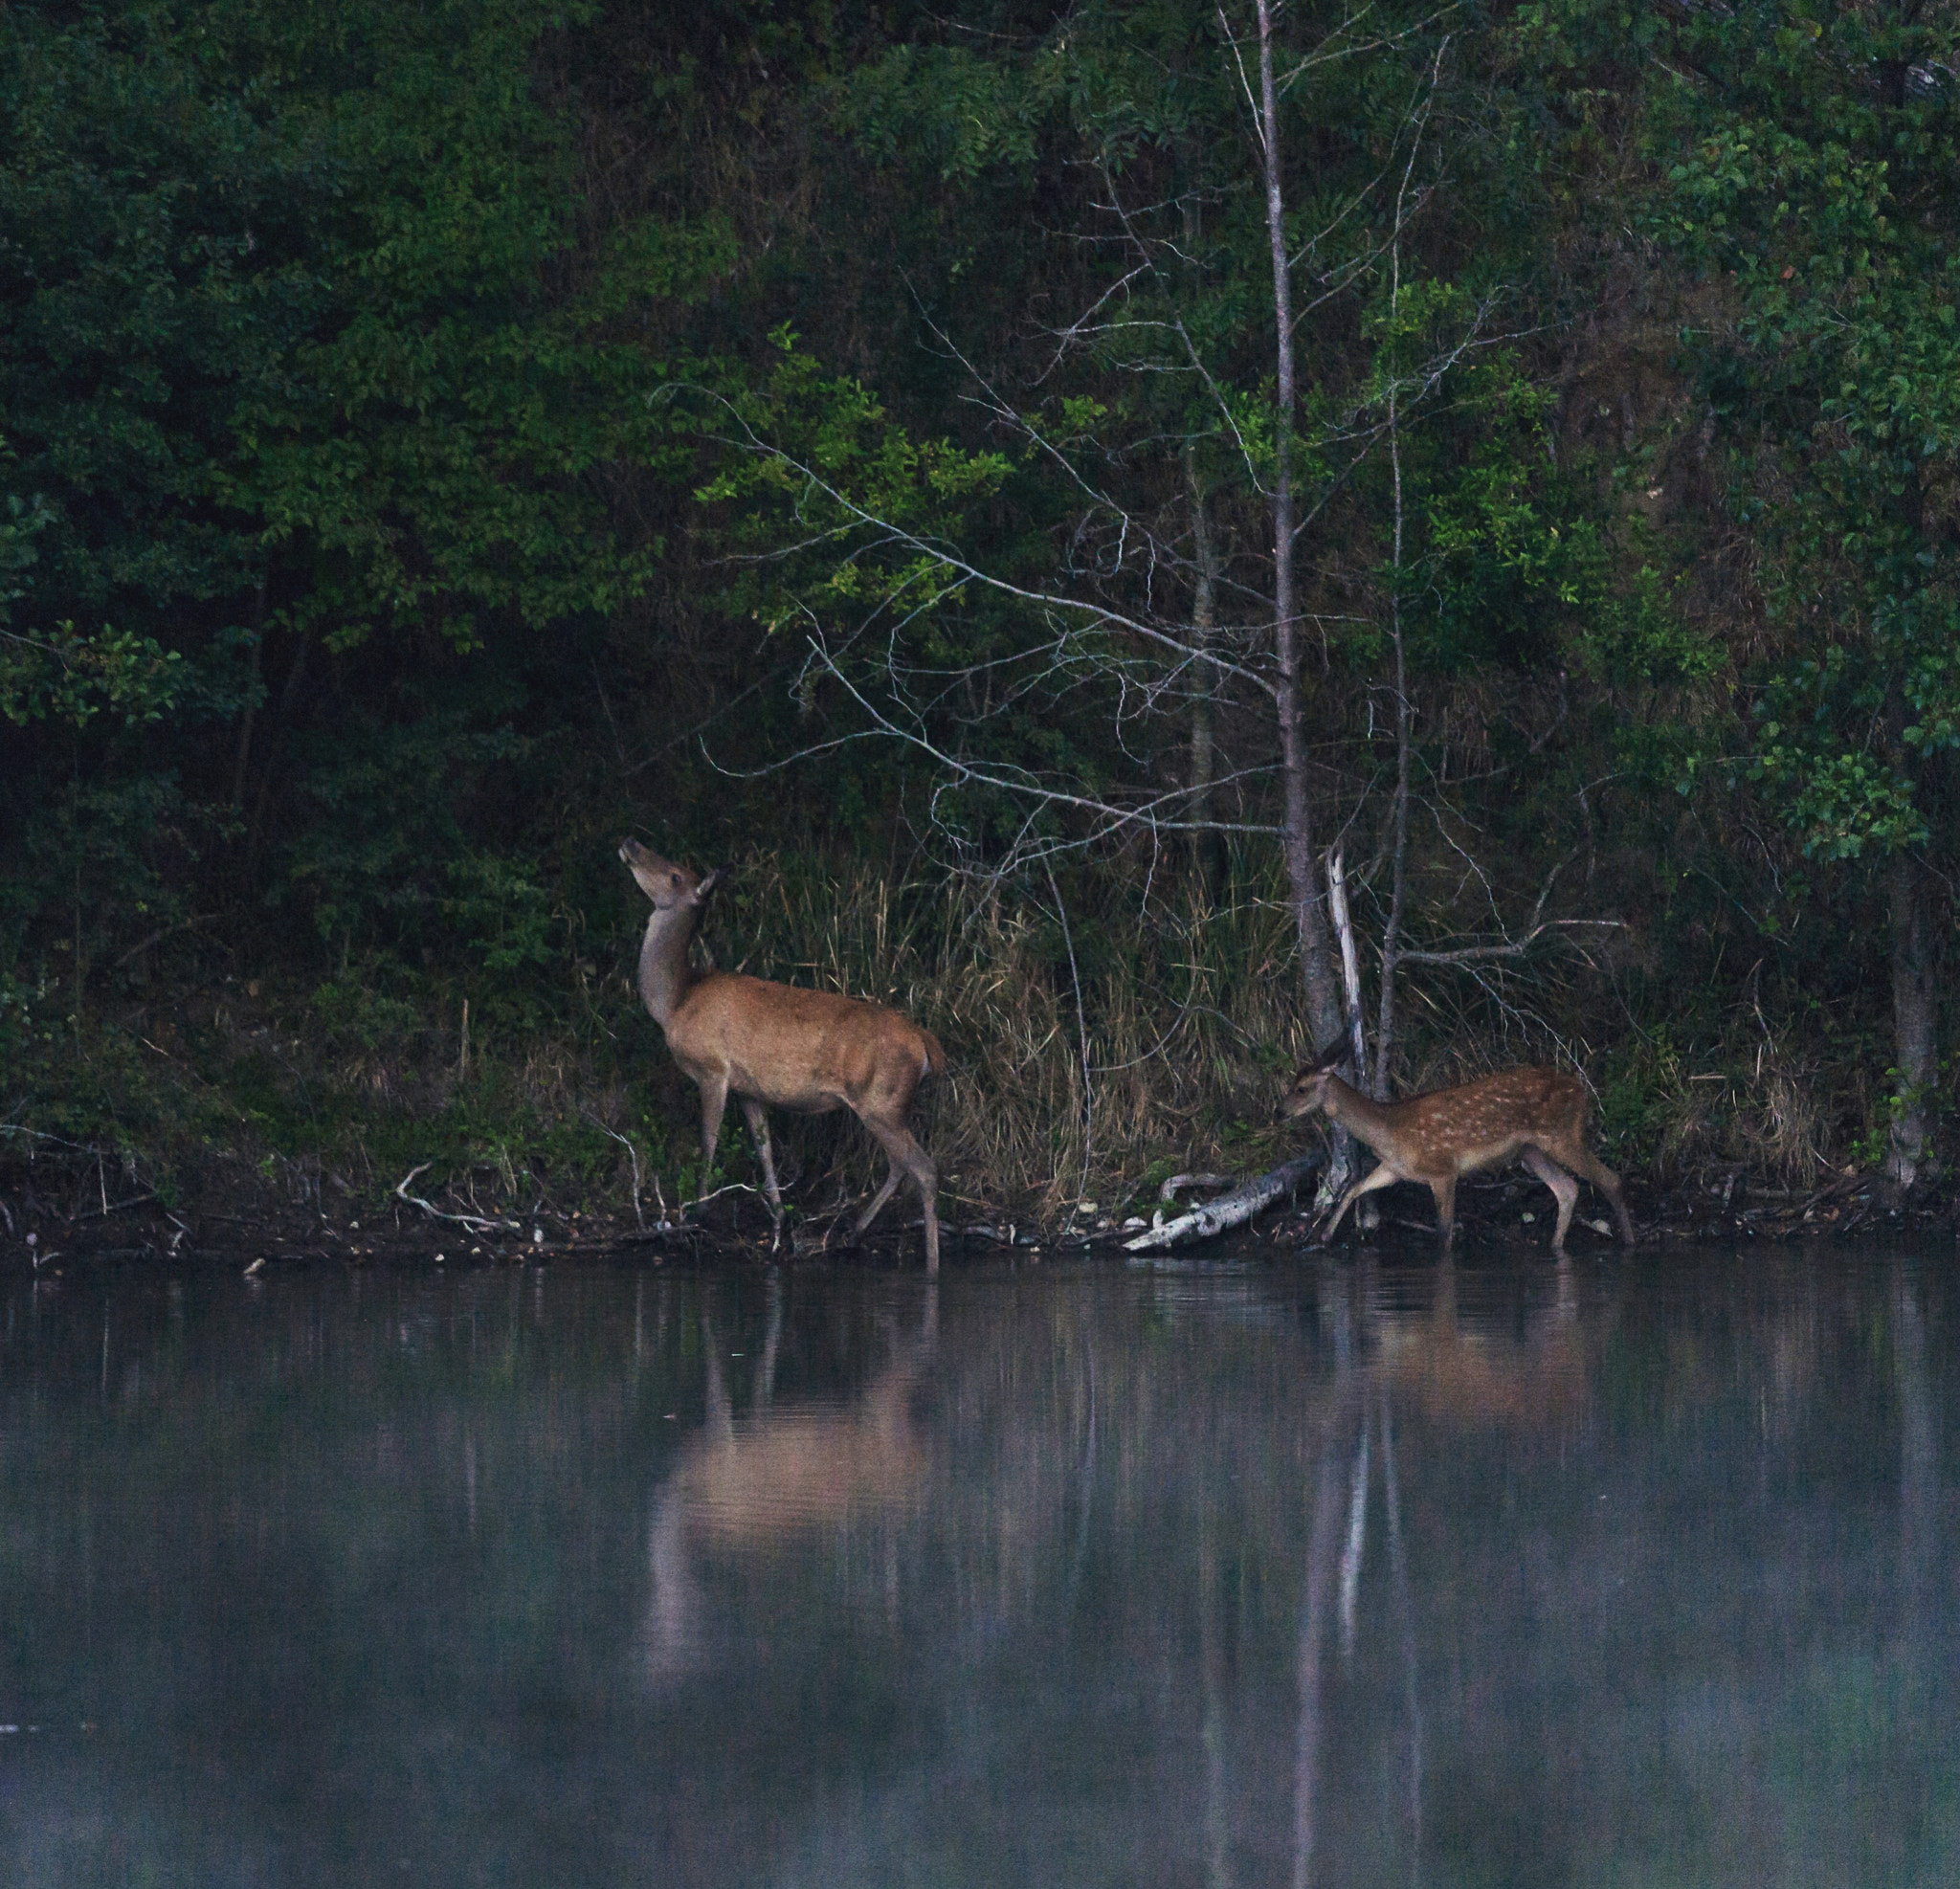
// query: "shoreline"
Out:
[247,1222]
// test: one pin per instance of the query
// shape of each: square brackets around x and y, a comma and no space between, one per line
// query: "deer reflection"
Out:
[751,1487]
[1454,1373]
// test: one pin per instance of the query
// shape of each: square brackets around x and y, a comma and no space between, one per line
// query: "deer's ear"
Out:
[1330,1056]
[713,880]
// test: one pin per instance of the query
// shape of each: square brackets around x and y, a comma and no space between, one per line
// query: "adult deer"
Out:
[1534,1115]
[809,1051]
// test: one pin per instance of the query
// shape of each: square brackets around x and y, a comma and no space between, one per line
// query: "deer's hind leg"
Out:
[1590,1167]
[908,1160]
[1571,1152]
[1445,1192]
[879,1199]
[1561,1184]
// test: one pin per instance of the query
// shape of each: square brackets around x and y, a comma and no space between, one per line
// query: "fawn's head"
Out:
[1310,1088]
[665,883]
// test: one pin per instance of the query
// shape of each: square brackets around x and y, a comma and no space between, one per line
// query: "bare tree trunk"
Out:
[275,730]
[1207,849]
[1398,818]
[1915,1018]
[1350,958]
[243,761]
[1367,1213]
[1302,878]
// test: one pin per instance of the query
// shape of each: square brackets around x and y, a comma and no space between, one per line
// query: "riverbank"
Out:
[1087,1071]
[231,1211]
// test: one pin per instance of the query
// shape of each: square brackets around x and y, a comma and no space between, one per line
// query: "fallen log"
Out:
[1230,1210]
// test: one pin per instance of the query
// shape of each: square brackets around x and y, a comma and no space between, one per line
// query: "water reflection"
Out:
[750,1488]
[1306,1572]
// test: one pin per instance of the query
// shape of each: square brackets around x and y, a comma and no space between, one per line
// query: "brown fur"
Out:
[776,1045]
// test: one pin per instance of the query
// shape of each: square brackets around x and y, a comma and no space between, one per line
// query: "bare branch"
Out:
[1510,947]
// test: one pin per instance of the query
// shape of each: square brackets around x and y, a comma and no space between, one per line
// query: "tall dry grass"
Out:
[1166,1044]
[1192,1017]
[1153,1032]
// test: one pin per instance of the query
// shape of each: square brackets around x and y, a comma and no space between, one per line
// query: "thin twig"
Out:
[158,937]
[1081,1030]
[474,1222]
[632,1155]
[108,1208]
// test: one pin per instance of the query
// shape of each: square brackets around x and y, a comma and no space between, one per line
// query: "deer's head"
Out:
[1308,1091]
[665,883]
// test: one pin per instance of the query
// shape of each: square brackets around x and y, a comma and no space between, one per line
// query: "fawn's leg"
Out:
[1383,1176]
[1561,1184]
[1445,1192]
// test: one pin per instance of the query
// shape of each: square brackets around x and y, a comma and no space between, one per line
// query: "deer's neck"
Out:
[1366,1119]
[664,973]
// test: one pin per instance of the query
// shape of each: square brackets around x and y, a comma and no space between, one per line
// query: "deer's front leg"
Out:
[714,1102]
[1383,1176]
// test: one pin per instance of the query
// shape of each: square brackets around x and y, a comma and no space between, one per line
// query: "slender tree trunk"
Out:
[1367,1211]
[1915,977]
[1350,960]
[1398,818]
[289,696]
[1915,1018]
[1302,876]
[242,762]
[1208,851]
[1208,847]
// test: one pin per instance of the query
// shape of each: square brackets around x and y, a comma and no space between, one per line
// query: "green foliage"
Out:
[63,672]
[1835,740]
[371,869]
[356,1015]
[1829,205]
[425,450]
[506,916]
[948,108]
[290,355]
[71,676]
[441,439]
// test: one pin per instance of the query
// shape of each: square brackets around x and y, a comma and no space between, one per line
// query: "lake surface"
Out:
[1277,1571]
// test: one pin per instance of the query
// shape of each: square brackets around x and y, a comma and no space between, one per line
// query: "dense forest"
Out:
[1149,535]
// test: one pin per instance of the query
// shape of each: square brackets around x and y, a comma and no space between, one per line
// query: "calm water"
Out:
[1279,1572]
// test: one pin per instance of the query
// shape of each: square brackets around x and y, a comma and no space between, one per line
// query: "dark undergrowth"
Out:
[516,1103]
